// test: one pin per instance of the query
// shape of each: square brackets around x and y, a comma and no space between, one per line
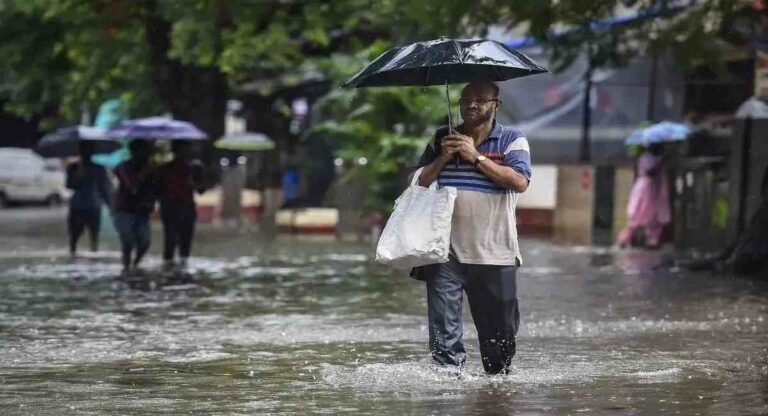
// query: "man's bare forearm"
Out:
[504,176]
[430,172]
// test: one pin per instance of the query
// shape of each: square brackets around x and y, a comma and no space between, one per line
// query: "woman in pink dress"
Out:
[649,200]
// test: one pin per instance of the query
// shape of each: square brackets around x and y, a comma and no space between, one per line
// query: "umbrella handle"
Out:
[450,123]
[448,101]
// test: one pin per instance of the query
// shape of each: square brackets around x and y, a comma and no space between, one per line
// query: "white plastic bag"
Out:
[419,230]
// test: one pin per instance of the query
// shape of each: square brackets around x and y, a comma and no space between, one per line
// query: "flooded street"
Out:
[313,326]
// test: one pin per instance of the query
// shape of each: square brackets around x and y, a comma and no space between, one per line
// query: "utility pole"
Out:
[586,119]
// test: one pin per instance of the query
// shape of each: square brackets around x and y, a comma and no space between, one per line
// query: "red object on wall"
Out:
[535,222]
[586,179]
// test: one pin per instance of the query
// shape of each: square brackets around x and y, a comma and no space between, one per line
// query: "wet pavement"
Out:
[304,326]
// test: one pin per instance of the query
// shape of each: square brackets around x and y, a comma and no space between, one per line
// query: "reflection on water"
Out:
[300,327]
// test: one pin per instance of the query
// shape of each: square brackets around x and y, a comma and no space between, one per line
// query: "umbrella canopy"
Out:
[156,128]
[65,142]
[665,131]
[754,107]
[245,142]
[445,61]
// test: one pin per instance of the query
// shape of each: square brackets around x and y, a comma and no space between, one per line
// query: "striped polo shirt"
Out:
[484,228]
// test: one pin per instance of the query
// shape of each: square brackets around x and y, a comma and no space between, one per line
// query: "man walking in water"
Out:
[177,182]
[91,188]
[134,201]
[494,168]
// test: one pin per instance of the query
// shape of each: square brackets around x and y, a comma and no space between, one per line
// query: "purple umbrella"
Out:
[156,128]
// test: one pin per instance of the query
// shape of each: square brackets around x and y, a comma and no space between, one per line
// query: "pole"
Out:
[586,120]
[448,101]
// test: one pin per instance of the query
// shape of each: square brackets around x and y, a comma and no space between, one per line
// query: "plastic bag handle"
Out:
[414,182]
[415,179]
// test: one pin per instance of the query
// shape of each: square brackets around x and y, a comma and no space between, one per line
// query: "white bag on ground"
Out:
[419,230]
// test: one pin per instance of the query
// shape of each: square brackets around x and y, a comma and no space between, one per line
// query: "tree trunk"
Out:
[191,93]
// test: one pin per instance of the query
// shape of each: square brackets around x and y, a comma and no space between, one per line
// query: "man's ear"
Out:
[498,104]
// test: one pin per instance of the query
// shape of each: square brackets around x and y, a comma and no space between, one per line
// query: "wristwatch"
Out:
[479,159]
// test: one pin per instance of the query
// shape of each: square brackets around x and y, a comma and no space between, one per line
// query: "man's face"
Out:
[477,104]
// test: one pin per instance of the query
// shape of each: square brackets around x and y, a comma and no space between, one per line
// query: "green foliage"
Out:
[693,35]
[388,126]
[60,55]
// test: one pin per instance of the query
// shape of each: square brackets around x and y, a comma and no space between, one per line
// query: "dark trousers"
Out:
[492,297]
[80,219]
[134,232]
[178,228]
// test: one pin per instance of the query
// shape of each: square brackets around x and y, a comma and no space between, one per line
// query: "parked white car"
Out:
[27,177]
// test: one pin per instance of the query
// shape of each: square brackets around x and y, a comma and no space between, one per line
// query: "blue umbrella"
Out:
[663,132]
[156,128]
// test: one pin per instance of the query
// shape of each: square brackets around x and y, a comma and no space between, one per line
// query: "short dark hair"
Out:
[485,84]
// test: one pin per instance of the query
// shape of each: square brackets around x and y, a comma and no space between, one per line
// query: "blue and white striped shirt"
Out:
[484,228]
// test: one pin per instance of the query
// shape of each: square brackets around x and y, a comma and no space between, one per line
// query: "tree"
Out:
[388,127]
[58,57]
[185,56]
[181,56]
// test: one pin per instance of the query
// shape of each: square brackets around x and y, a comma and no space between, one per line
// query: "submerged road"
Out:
[312,326]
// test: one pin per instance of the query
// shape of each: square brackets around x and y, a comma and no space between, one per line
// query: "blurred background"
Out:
[281,308]
[275,69]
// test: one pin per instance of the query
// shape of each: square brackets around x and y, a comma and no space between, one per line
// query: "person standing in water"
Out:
[177,182]
[91,188]
[494,168]
[648,206]
[134,201]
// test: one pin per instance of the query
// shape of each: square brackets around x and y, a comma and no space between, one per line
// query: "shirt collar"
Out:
[496,131]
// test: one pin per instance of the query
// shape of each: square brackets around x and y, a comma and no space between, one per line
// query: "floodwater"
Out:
[301,326]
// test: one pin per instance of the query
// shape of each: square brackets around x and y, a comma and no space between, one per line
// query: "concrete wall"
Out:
[623,180]
[542,192]
[574,214]
[535,207]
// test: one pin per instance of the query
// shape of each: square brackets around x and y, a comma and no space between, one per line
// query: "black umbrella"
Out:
[445,61]
[65,142]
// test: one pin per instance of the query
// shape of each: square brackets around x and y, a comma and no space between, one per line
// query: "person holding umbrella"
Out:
[91,187]
[490,166]
[138,185]
[495,168]
[89,181]
[134,201]
[649,207]
[649,204]
[178,180]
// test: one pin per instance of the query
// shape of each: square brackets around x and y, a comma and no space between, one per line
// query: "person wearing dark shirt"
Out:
[177,182]
[91,188]
[134,201]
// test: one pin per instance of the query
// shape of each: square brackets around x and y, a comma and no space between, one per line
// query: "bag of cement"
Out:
[419,230]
